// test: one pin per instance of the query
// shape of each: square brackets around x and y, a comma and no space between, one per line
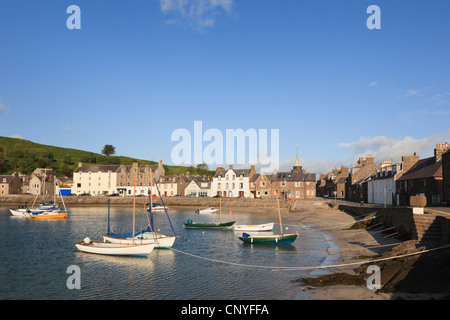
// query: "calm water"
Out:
[35,256]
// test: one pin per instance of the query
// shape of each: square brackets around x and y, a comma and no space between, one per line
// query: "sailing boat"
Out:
[50,210]
[276,239]
[117,249]
[144,236]
[189,224]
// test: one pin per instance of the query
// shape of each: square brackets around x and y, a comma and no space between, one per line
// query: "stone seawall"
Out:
[416,226]
[17,199]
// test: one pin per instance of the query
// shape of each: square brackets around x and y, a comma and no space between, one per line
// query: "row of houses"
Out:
[126,180]
[391,183]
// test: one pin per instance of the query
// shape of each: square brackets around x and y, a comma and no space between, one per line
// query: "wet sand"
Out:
[354,247]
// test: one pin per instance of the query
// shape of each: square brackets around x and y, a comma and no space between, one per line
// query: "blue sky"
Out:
[138,70]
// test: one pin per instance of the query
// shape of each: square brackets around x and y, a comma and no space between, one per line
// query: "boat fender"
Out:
[245,235]
[87,240]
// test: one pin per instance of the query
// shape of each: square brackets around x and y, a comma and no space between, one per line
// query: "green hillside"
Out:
[18,155]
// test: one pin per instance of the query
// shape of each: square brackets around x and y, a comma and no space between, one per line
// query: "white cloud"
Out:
[384,148]
[201,13]
[411,92]
[16,136]
[3,108]
[373,84]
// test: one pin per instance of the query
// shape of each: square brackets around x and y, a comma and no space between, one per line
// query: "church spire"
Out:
[297,160]
[297,165]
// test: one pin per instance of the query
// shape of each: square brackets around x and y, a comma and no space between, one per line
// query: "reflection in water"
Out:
[204,264]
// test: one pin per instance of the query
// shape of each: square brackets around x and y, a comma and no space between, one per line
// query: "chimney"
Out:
[231,166]
[361,160]
[386,163]
[408,162]
[440,149]
[160,164]
[370,159]
[344,170]
[219,168]
[252,171]
[80,164]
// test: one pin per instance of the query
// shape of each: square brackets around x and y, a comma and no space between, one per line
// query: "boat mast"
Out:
[279,216]
[220,204]
[150,203]
[134,202]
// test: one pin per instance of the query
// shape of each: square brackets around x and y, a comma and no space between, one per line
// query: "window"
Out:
[263,183]
[241,185]
[297,184]
[297,194]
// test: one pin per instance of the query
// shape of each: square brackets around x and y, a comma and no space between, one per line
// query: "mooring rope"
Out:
[313,267]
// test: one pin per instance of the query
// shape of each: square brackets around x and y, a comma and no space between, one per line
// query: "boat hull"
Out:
[19,212]
[158,209]
[48,215]
[206,211]
[208,225]
[160,242]
[115,249]
[254,228]
[272,239]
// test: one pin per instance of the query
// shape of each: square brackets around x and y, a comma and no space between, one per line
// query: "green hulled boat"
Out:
[277,239]
[274,239]
[208,225]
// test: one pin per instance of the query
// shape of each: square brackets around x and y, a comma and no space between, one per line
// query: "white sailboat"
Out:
[254,227]
[133,249]
[206,210]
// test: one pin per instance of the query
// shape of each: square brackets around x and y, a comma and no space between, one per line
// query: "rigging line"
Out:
[314,267]
[157,188]
[302,252]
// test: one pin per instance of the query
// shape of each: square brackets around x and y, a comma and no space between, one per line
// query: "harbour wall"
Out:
[428,226]
[19,199]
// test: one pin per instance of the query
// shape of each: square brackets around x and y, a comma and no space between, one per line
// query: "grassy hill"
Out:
[18,155]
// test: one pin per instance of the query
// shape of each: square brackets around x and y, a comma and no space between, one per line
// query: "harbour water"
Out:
[203,264]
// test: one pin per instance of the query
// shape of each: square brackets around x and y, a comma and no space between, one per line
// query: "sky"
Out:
[138,70]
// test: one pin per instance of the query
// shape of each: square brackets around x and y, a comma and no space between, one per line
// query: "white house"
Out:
[199,187]
[95,179]
[381,185]
[232,182]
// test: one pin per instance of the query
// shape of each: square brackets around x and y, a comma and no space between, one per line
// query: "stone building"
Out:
[424,177]
[11,184]
[332,184]
[446,176]
[296,184]
[260,186]
[143,173]
[355,189]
